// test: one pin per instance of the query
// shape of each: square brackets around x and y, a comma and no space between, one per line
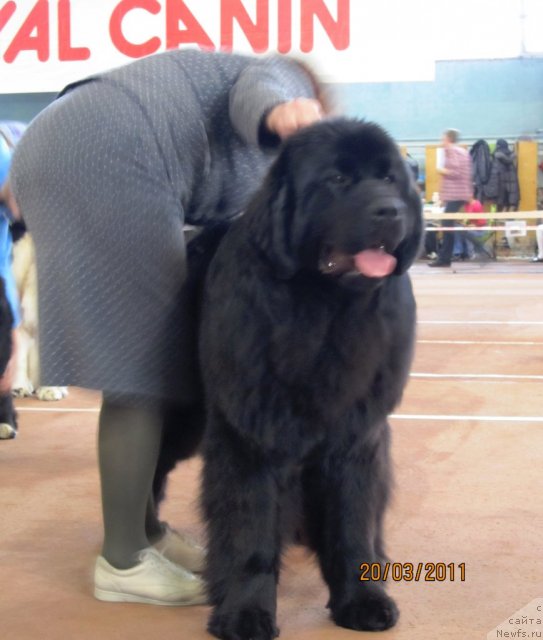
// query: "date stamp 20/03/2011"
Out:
[413,572]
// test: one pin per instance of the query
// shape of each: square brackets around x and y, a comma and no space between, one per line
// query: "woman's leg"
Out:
[129,570]
[128,448]
[444,255]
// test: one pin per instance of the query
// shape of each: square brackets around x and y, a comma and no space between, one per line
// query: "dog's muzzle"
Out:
[372,263]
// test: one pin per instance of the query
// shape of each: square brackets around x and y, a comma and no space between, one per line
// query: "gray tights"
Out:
[129,440]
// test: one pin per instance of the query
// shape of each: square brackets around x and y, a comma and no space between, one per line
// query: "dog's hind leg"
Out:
[345,498]
[183,427]
[182,430]
[240,502]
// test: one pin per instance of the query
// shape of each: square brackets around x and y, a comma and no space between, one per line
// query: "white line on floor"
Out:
[500,342]
[478,376]
[395,416]
[443,418]
[58,409]
[484,322]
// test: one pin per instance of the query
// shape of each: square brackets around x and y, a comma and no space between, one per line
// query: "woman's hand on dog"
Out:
[286,118]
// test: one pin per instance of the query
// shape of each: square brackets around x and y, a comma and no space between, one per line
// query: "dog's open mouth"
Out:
[372,263]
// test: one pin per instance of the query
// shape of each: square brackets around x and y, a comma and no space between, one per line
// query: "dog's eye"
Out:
[339,178]
[390,178]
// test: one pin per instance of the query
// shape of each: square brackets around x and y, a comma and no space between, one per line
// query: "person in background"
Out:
[105,179]
[8,427]
[464,240]
[456,190]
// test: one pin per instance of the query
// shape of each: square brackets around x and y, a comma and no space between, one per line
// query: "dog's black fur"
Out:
[183,425]
[7,410]
[302,360]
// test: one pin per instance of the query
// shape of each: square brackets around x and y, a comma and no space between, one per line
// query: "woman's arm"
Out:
[287,117]
[271,99]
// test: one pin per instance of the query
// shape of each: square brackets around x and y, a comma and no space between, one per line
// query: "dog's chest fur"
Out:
[303,355]
[342,346]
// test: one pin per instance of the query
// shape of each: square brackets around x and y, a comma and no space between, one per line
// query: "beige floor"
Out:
[469,490]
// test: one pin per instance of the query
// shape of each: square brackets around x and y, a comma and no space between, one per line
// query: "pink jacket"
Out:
[458,183]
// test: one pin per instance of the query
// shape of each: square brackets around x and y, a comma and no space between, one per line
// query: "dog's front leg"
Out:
[22,385]
[240,501]
[350,491]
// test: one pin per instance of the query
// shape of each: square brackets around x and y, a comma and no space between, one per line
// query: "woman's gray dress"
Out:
[105,178]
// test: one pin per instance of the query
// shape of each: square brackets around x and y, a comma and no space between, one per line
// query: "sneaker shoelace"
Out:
[160,562]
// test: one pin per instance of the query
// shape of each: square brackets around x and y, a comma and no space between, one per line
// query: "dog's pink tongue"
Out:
[374,263]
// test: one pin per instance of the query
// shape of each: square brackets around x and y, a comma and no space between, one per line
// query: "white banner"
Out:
[45,44]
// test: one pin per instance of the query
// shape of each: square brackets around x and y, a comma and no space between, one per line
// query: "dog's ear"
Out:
[274,209]
[409,248]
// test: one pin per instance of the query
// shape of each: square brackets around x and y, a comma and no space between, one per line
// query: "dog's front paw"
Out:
[371,610]
[21,390]
[51,394]
[246,624]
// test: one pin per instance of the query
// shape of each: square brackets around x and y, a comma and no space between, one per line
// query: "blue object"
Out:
[5,267]
[5,159]
[10,134]
[9,131]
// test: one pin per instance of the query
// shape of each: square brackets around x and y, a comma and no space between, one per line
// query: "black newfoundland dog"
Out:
[306,341]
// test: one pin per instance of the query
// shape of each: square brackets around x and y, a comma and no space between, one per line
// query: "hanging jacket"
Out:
[481,160]
[503,185]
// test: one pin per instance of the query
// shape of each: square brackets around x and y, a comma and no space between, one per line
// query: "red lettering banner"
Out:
[44,44]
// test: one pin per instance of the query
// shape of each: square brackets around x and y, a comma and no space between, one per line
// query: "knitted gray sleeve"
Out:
[261,86]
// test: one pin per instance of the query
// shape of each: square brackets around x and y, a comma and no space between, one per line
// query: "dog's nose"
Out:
[387,209]
[386,212]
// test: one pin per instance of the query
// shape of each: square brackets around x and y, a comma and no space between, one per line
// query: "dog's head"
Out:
[339,200]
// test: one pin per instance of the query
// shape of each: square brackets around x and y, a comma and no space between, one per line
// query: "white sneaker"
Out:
[7,431]
[155,580]
[182,550]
